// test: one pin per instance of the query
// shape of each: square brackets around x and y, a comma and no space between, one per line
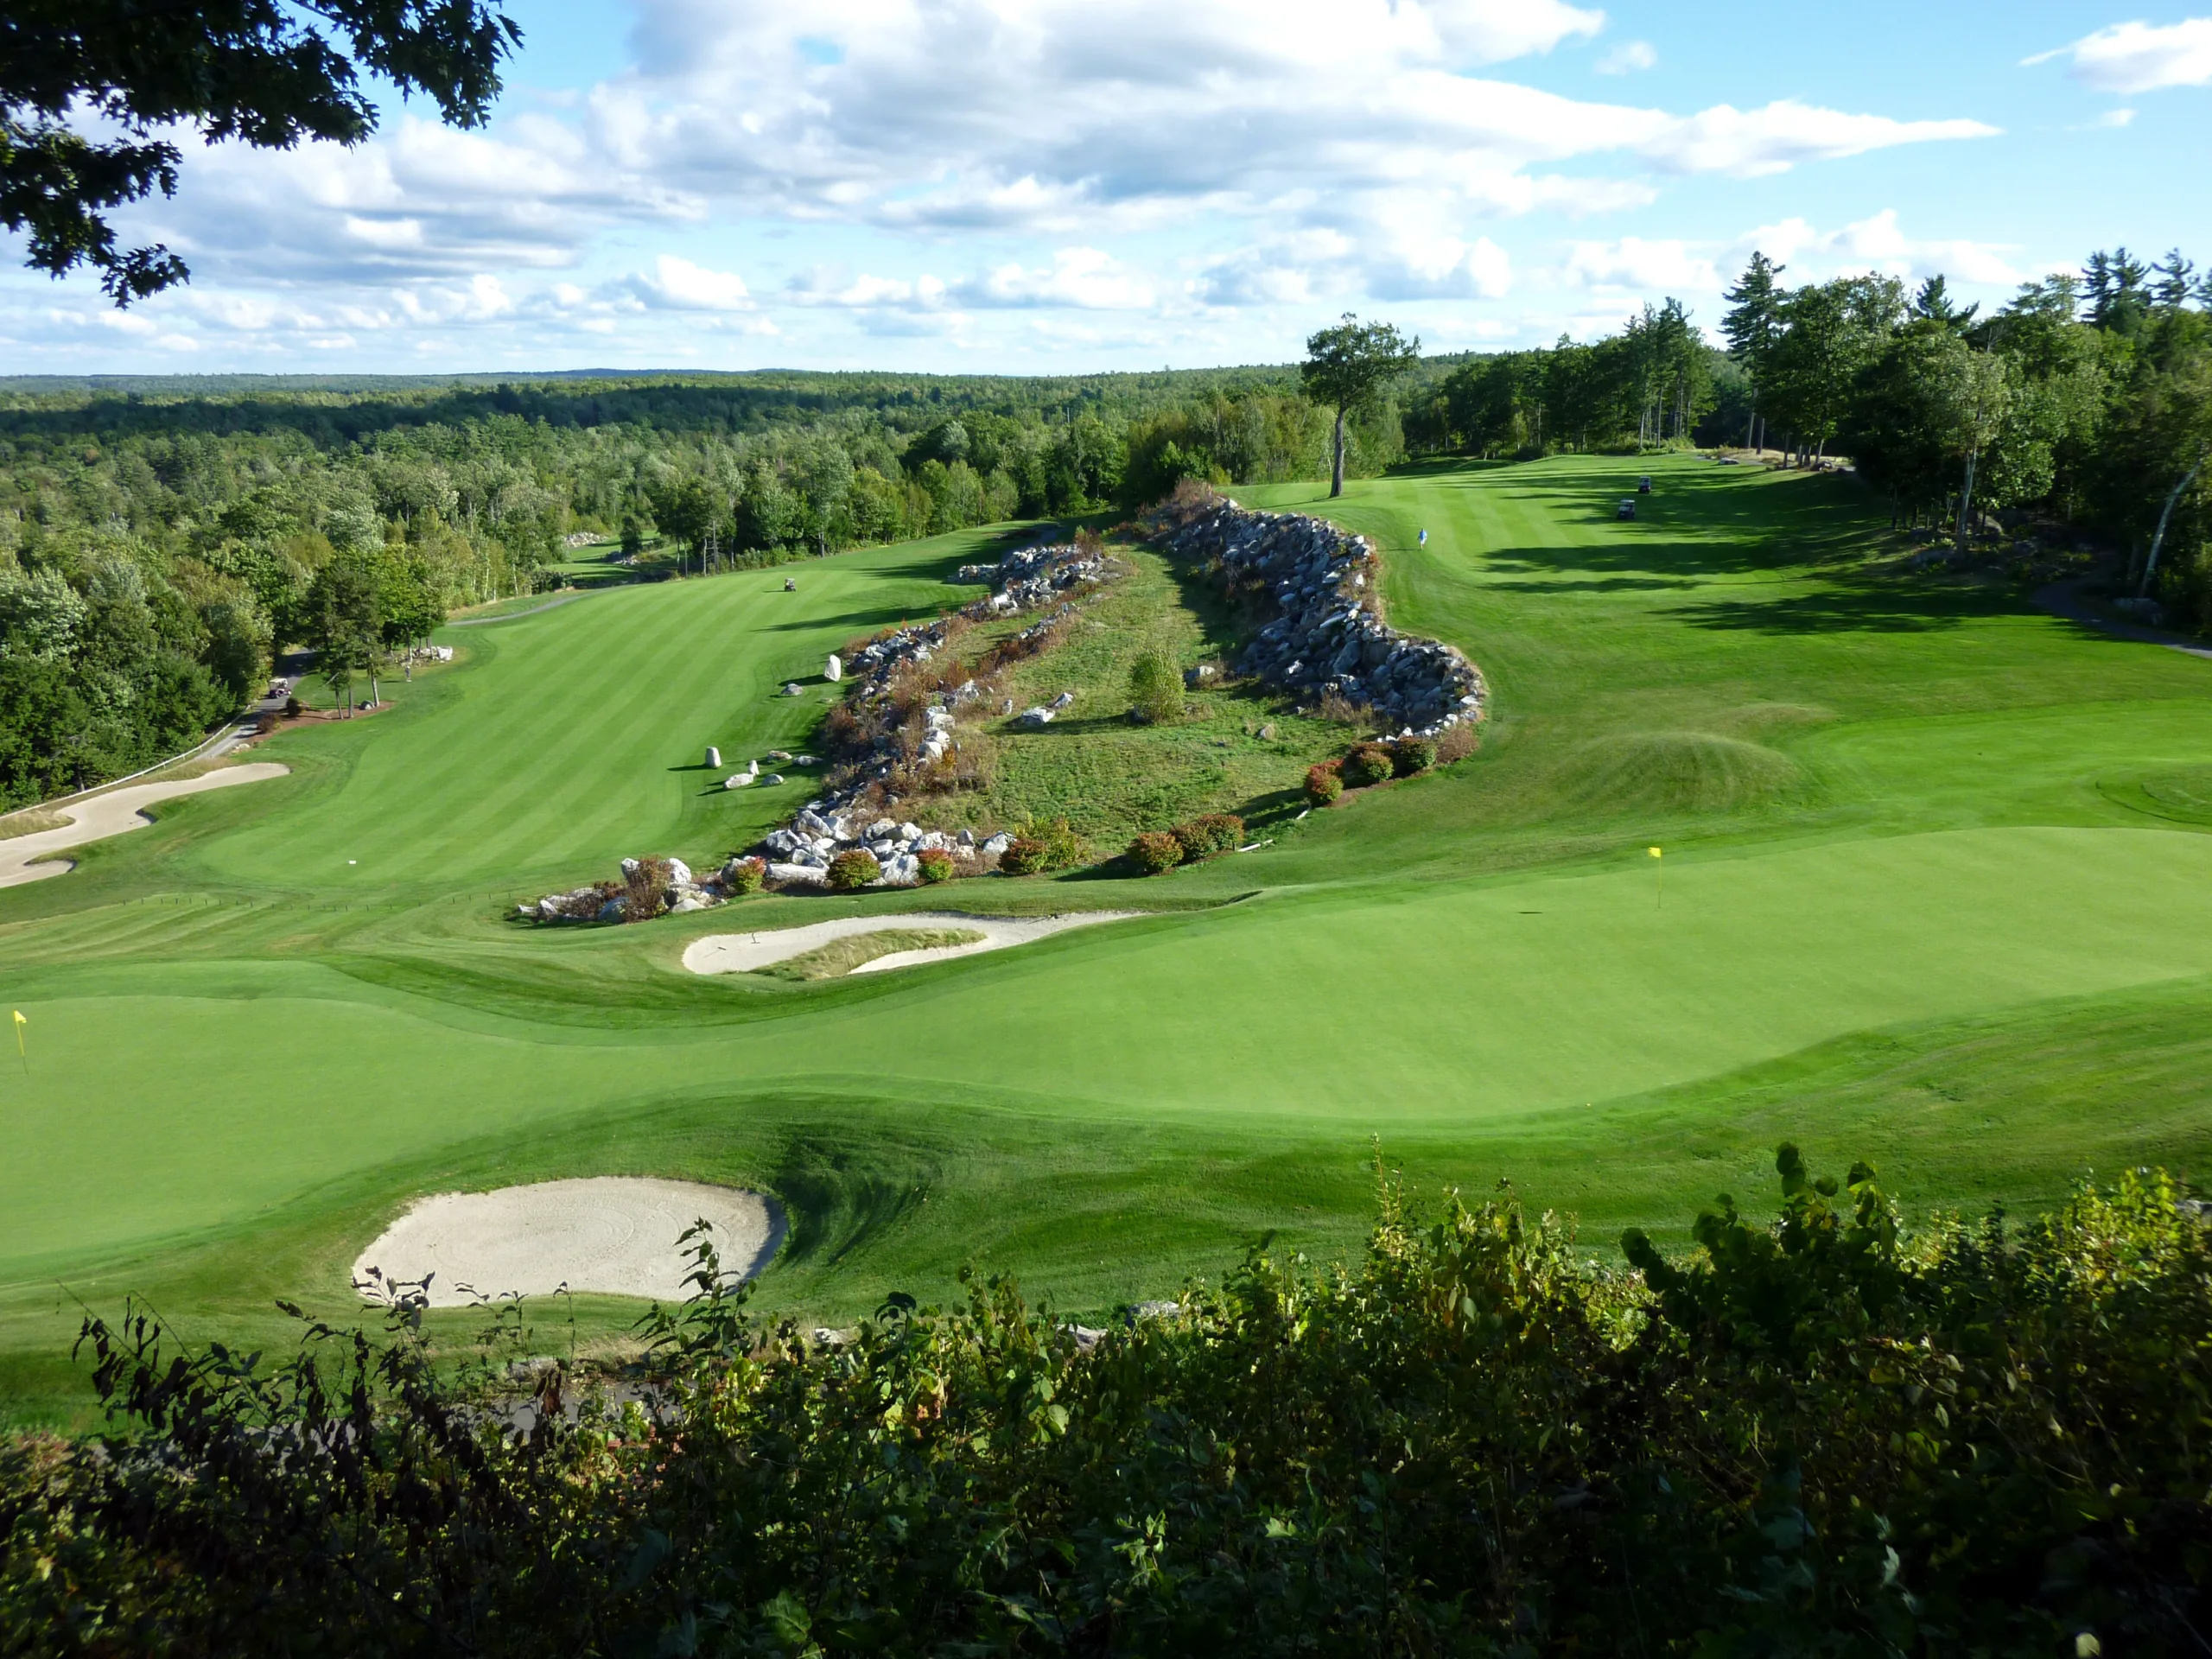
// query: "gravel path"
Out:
[740,953]
[2064,599]
[97,817]
[612,1234]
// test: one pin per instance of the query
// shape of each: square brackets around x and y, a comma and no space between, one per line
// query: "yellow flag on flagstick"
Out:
[1661,872]
[20,1051]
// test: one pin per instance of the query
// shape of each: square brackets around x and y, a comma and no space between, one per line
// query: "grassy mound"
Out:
[1666,774]
[840,956]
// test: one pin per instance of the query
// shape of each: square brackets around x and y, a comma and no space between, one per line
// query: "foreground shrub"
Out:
[1325,782]
[1156,851]
[1223,831]
[1063,848]
[1369,764]
[851,871]
[646,889]
[1155,690]
[1410,755]
[744,875]
[1024,855]
[936,865]
[1814,1435]
[1201,838]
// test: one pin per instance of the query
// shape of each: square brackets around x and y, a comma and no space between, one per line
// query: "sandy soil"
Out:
[612,1234]
[99,816]
[740,953]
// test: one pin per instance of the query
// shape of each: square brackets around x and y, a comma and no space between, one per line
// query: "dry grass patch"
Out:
[31,821]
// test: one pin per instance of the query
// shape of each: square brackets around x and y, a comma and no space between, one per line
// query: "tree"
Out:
[87,88]
[1752,325]
[1347,366]
[345,621]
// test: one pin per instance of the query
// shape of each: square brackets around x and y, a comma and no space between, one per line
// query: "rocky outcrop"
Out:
[1328,635]
[667,887]
[800,854]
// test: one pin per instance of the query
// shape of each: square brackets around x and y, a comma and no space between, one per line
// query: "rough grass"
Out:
[1111,778]
[840,956]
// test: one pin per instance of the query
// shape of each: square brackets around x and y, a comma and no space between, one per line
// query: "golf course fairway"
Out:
[1933,893]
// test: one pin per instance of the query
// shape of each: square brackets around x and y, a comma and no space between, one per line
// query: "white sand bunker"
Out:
[99,816]
[741,953]
[607,1233]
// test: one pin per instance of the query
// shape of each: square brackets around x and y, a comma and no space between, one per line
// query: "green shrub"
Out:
[1411,755]
[1325,783]
[1367,764]
[936,865]
[1063,846]
[1813,1435]
[744,875]
[1024,855]
[1157,851]
[1155,690]
[850,872]
[1224,832]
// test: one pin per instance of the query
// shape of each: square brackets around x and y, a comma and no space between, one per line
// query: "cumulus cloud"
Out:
[677,285]
[1642,267]
[1627,58]
[1879,244]
[2139,57]
[1301,152]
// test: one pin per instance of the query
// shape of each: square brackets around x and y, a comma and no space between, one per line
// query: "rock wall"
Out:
[1329,634]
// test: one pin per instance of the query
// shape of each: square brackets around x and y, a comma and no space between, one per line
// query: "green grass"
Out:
[1937,891]
[840,956]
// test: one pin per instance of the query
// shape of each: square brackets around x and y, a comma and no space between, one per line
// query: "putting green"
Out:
[1907,825]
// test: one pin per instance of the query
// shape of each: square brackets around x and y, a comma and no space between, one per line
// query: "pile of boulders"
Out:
[800,854]
[1329,636]
[678,893]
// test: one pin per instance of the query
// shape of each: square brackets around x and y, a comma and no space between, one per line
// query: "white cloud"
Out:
[1751,143]
[679,285]
[1629,57]
[1084,278]
[1649,268]
[2139,57]
[1879,244]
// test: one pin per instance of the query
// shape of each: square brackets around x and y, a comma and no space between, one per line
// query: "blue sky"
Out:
[1036,185]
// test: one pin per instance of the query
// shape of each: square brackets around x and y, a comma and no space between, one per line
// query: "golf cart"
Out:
[1644,485]
[1628,508]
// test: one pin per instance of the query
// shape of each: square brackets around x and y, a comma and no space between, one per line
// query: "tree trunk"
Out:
[1966,498]
[1337,471]
[2151,565]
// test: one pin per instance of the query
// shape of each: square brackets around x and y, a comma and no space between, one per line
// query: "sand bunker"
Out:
[608,1233]
[740,953]
[99,816]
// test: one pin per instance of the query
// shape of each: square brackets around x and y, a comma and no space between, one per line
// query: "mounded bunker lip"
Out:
[611,1235]
[99,816]
[741,953]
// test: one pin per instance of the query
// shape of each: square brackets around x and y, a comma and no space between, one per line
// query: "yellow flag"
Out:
[20,1023]
[1654,852]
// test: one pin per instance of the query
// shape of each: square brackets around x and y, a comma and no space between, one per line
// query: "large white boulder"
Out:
[802,873]
[714,757]
[900,870]
[681,871]
[833,670]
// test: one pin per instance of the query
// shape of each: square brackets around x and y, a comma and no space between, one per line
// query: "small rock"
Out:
[771,779]
[1268,733]
[792,689]
[741,780]
[714,757]
[998,844]
[1034,717]
[833,670]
